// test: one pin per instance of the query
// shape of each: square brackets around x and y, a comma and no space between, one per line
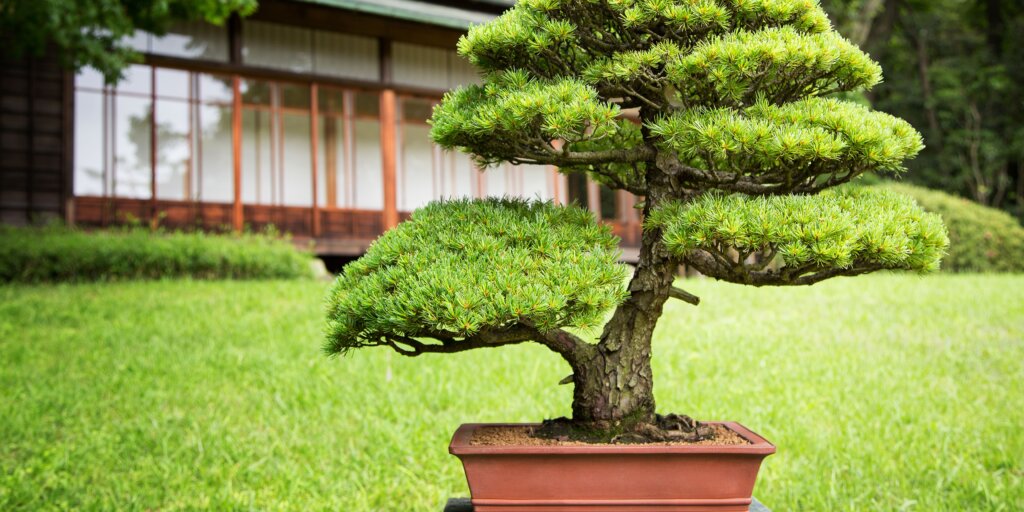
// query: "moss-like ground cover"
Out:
[883,392]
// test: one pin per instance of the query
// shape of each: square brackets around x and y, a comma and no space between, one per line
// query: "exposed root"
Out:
[668,428]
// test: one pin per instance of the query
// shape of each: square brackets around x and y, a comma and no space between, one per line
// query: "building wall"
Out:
[34,152]
[275,120]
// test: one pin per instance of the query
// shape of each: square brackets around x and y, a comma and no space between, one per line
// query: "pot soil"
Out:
[565,476]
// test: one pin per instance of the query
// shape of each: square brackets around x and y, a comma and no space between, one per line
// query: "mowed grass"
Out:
[884,392]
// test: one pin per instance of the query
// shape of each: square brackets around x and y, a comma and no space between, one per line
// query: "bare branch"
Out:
[683,295]
[562,342]
[570,158]
[807,274]
[766,183]
[451,343]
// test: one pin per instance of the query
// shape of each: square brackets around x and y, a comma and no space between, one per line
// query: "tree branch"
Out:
[451,343]
[683,295]
[571,158]
[562,342]
[765,183]
[788,275]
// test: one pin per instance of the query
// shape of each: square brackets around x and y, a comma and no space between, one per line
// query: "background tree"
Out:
[955,71]
[92,32]
[716,112]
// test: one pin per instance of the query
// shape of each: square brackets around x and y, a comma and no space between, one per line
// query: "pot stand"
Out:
[465,505]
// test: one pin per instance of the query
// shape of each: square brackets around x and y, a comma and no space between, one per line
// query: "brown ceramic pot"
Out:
[608,478]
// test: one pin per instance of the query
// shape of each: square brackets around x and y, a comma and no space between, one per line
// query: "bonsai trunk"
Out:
[613,381]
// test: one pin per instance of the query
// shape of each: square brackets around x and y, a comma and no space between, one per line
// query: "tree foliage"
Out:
[724,115]
[477,273]
[717,84]
[806,145]
[732,106]
[837,232]
[955,69]
[92,32]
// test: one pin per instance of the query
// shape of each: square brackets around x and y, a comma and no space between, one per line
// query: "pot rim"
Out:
[460,444]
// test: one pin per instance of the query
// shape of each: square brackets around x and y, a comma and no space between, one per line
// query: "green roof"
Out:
[422,12]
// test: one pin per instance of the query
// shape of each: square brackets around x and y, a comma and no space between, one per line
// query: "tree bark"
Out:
[613,380]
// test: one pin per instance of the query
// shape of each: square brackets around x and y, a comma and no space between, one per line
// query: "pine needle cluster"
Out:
[844,228]
[461,268]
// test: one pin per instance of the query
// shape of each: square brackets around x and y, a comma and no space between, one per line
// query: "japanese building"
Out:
[309,115]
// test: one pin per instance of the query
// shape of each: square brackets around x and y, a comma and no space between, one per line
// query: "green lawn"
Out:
[881,392]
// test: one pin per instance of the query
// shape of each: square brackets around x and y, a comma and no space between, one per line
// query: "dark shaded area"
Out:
[334,264]
[953,69]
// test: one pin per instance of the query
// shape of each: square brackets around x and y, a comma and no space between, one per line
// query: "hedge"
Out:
[981,239]
[58,253]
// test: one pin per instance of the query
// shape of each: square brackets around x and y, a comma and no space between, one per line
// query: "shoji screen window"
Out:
[187,114]
[295,157]
[529,181]
[367,162]
[418,160]
[426,172]
[214,181]
[91,148]
[277,167]
[175,115]
[349,161]
[302,50]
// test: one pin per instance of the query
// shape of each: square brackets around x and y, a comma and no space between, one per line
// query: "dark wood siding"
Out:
[35,106]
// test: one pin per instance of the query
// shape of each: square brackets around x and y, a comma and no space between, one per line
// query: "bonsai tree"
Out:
[727,117]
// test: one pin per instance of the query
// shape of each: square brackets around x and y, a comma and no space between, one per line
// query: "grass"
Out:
[882,392]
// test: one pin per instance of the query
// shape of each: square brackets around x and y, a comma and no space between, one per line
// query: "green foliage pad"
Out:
[461,267]
[846,228]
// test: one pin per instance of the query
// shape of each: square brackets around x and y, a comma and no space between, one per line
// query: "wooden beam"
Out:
[308,15]
[236,147]
[234,27]
[388,157]
[384,61]
[314,149]
[624,205]
[331,162]
[281,75]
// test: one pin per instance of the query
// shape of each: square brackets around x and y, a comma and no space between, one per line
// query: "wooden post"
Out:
[388,154]
[234,27]
[594,197]
[314,149]
[236,147]
[554,177]
[387,137]
[67,185]
[153,221]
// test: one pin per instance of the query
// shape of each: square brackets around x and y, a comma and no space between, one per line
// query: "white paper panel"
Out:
[421,66]
[277,46]
[346,56]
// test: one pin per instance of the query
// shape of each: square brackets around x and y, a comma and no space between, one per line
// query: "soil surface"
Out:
[542,436]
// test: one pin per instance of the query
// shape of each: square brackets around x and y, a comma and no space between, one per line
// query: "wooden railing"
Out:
[341,231]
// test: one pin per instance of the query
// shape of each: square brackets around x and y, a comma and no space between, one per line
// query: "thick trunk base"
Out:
[614,385]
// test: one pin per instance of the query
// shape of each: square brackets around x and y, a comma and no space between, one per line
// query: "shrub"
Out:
[981,239]
[58,253]
[738,133]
